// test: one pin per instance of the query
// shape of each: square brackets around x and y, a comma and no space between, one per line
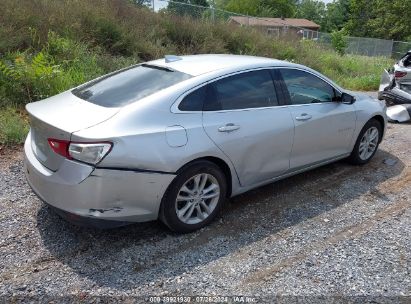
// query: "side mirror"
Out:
[347,98]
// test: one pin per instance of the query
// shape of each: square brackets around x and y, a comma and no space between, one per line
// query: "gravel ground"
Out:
[338,231]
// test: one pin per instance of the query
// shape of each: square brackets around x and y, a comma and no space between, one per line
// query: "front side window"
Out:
[305,88]
[242,91]
[127,86]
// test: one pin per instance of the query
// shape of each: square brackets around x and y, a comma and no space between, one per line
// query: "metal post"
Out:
[375,48]
[392,48]
[213,11]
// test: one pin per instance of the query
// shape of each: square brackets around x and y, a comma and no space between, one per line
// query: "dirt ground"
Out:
[339,231]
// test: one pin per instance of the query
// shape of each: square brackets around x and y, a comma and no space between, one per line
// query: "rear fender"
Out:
[387,81]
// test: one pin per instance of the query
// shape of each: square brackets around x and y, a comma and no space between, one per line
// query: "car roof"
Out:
[196,65]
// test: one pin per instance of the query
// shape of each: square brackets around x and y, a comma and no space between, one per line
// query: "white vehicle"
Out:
[395,89]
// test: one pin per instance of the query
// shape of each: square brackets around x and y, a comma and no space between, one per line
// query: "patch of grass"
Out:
[352,72]
[13,126]
[48,46]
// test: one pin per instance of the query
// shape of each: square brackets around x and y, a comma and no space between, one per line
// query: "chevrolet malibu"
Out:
[171,139]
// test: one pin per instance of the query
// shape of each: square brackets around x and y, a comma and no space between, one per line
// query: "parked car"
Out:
[395,89]
[171,139]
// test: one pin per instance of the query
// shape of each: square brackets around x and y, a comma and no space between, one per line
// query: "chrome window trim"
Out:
[174,107]
[176,110]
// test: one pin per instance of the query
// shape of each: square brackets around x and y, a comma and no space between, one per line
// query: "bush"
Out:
[339,41]
[26,76]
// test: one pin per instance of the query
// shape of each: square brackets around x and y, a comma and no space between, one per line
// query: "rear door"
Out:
[324,127]
[244,118]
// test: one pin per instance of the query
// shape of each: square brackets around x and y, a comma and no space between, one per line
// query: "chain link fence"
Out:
[369,46]
[355,45]
[400,48]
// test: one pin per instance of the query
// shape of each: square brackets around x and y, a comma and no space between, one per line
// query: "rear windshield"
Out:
[126,86]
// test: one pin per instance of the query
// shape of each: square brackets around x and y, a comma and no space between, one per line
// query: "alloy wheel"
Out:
[197,198]
[368,143]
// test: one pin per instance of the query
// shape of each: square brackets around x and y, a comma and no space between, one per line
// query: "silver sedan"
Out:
[171,139]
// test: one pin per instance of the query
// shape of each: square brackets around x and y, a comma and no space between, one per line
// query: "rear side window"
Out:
[194,101]
[246,90]
[127,86]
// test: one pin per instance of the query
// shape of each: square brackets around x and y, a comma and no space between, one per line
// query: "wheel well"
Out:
[380,119]
[221,164]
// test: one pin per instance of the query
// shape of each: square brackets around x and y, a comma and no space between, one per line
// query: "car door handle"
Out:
[228,128]
[303,117]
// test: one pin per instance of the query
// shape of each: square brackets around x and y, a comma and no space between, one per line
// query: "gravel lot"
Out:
[339,231]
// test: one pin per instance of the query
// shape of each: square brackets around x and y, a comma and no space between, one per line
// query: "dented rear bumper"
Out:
[107,194]
[395,95]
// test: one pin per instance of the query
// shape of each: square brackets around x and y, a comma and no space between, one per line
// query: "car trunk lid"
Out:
[58,117]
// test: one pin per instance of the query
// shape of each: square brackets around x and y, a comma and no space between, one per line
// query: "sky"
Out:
[158,4]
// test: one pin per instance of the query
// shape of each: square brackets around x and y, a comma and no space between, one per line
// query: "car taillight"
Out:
[400,74]
[91,153]
[59,146]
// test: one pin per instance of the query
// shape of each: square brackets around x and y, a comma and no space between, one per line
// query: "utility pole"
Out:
[213,10]
[153,6]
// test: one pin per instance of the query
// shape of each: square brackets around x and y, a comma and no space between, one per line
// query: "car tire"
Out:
[367,143]
[199,188]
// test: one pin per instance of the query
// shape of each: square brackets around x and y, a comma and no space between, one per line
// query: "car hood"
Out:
[361,95]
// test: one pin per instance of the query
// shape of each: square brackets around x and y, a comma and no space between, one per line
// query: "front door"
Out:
[324,126]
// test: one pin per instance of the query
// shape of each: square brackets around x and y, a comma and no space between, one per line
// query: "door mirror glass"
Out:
[347,98]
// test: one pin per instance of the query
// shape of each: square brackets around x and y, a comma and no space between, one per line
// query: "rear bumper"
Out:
[399,113]
[106,194]
[395,95]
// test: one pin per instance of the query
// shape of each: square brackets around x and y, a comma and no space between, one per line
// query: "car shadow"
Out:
[144,253]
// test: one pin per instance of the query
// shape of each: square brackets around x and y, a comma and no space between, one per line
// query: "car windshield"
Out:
[127,86]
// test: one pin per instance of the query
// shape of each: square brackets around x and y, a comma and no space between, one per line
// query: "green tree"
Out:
[361,12]
[281,8]
[221,4]
[188,7]
[391,20]
[246,7]
[140,2]
[262,8]
[380,19]
[312,10]
[336,15]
